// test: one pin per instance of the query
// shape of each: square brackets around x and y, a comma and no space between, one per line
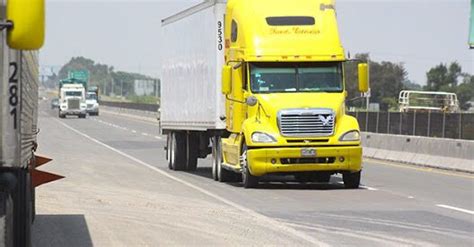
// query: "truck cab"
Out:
[72,100]
[284,86]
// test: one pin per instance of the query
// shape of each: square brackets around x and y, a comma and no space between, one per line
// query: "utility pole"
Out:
[121,88]
[112,82]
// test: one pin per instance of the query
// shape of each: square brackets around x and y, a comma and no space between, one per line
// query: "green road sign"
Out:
[471,35]
[82,75]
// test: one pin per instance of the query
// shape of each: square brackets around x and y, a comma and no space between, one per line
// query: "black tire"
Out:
[168,150]
[178,151]
[216,157]
[192,151]
[6,219]
[248,180]
[61,115]
[82,116]
[351,180]
[22,210]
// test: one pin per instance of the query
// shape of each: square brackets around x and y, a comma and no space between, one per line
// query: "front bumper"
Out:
[73,112]
[287,160]
[93,110]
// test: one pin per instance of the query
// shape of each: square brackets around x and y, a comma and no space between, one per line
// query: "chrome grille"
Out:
[73,104]
[90,105]
[306,122]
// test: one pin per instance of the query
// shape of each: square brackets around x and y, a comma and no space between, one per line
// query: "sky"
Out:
[127,34]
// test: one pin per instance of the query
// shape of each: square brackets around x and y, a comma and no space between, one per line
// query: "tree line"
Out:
[109,81]
[387,79]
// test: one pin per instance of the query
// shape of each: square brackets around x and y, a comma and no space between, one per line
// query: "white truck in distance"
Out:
[72,98]
[92,104]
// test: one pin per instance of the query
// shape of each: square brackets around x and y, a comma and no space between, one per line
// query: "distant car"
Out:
[55,103]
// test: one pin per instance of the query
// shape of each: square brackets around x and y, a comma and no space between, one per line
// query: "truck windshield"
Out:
[91,96]
[295,77]
[74,93]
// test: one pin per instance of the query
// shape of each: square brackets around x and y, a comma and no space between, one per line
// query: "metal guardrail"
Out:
[430,124]
[133,106]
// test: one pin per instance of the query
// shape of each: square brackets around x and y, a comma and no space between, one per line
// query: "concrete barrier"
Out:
[450,154]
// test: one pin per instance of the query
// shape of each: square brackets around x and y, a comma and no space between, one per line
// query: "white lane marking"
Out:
[364,187]
[271,222]
[411,197]
[368,188]
[455,209]
[124,128]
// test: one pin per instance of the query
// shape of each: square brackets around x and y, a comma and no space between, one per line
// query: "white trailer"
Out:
[192,105]
[192,55]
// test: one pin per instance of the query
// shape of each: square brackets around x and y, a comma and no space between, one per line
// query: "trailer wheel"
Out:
[248,180]
[351,179]
[22,210]
[6,219]
[168,150]
[192,151]
[178,151]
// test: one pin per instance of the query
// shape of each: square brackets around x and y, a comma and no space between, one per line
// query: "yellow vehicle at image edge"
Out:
[260,85]
[21,35]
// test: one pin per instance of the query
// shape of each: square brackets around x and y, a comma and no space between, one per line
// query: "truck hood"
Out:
[273,103]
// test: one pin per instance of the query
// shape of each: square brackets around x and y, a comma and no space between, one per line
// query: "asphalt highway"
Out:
[118,191]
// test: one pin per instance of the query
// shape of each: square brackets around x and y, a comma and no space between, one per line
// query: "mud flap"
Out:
[39,177]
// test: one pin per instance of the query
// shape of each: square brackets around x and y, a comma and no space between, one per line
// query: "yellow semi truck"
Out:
[260,85]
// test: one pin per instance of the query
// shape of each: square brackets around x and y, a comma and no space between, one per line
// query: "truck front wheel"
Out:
[351,179]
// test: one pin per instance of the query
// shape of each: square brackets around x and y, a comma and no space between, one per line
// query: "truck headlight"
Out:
[352,135]
[260,137]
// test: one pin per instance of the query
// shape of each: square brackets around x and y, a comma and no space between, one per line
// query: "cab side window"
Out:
[234,31]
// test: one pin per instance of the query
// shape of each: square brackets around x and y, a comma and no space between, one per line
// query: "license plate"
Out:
[308,152]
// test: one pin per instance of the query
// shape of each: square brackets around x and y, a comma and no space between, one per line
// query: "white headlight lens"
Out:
[260,137]
[352,135]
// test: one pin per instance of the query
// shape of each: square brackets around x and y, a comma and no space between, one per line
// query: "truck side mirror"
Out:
[363,70]
[27,17]
[226,79]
